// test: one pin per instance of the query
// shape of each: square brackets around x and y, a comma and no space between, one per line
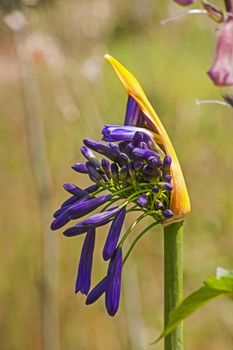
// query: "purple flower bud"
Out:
[80,168]
[148,170]
[123,145]
[131,170]
[96,292]
[221,71]
[60,221]
[185,2]
[106,167]
[137,139]
[69,201]
[142,200]
[143,145]
[133,112]
[124,158]
[158,204]
[82,208]
[167,213]
[138,164]
[113,235]
[155,189]
[93,173]
[114,149]
[83,281]
[165,186]
[91,188]
[115,172]
[143,153]
[97,220]
[129,149]
[123,172]
[90,156]
[167,178]
[113,283]
[167,162]
[75,190]
[154,161]
[101,148]
[114,133]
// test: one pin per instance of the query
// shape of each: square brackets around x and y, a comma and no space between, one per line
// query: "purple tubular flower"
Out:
[82,208]
[90,156]
[97,220]
[167,162]
[142,200]
[167,213]
[107,168]
[123,172]
[131,170]
[113,235]
[93,173]
[113,283]
[83,281]
[101,148]
[124,158]
[167,178]
[60,221]
[137,139]
[123,145]
[138,164]
[112,133]
[155,189]
[75,190]
[91,188]
[132,112]
[69,201]
[96,292]
[80,168]
[115,171]
[184,2]
[165,186]
[154,161]
[221,72]
[143,153]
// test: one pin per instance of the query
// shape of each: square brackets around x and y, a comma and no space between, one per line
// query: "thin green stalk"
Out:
[173,281]
[137,239]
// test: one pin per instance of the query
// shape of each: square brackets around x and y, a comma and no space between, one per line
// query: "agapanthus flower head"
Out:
[134,168]
[221,72]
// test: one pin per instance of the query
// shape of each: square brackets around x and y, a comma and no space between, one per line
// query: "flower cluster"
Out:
[138,172]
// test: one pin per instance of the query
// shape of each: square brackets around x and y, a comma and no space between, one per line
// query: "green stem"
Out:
[173,281]
[137,239]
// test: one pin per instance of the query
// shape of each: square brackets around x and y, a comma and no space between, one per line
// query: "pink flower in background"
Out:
[221,71]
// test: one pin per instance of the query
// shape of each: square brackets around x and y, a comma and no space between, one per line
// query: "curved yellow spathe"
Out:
[179,202]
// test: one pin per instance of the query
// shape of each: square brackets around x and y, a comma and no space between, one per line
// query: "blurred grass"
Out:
[80,93]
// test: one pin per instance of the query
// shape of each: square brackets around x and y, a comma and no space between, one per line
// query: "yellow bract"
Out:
[179,202]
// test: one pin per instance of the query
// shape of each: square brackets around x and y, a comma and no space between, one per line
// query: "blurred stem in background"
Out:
[40,167]
[173,281]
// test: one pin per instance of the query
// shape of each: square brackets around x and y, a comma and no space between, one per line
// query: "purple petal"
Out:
[83,281]
[96,292]
[113,235]
[82,208]
[113,285]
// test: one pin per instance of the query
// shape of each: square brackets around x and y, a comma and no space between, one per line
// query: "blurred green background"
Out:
[56,89]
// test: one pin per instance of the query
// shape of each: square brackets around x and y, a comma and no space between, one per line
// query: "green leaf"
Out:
[214,287]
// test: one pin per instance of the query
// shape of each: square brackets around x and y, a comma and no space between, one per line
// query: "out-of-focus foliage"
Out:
[64,46]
